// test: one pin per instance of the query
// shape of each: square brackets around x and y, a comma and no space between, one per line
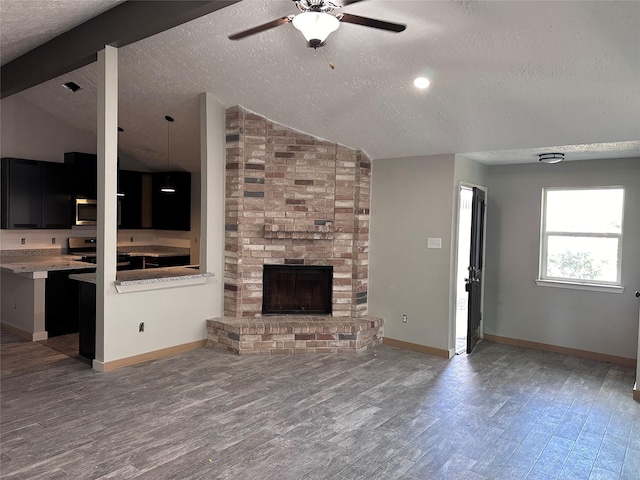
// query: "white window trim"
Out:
[593,287]
[597,286]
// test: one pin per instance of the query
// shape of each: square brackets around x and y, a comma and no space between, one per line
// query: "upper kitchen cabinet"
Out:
[84,171]
[130,199]
[35,195]
[57,198]
[171,210]
[21,193]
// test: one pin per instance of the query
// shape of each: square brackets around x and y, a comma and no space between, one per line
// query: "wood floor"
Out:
[501,412]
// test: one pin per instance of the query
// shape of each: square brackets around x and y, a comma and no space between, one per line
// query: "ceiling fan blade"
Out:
[344,3]
[261,28]
[372,22]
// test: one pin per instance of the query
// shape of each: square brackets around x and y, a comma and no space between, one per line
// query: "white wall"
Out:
[515,306]
[30,132]
[412,200]
[173,316]
[22,303]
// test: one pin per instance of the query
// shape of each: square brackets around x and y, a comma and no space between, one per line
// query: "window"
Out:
[582,235]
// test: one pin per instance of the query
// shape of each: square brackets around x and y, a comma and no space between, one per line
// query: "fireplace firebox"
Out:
[297,289]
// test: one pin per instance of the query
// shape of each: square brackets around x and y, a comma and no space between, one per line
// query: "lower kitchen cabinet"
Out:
[87,320]
[61,297]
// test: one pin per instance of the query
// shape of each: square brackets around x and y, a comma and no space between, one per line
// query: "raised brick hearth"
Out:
[294,334]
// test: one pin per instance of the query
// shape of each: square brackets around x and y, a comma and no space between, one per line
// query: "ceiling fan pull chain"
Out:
[325,59]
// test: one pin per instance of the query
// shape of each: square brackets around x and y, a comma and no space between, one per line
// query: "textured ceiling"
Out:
[508,80]
[26,24]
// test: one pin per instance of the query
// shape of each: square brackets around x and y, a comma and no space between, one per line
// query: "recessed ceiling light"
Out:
[72,86]
[421,83]
[551,157]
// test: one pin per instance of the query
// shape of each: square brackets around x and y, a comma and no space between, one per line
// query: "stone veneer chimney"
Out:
[293,199]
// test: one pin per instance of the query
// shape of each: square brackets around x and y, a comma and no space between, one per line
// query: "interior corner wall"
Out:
[411,201]
[515,307]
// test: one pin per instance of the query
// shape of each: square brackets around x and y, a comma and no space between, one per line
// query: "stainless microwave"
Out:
[86,211]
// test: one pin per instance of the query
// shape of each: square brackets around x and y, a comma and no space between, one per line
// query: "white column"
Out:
[107,130]
[636,390]
[212,144]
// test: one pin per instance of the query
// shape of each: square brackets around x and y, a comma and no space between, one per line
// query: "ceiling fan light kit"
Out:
[315,26]
[551,157]
[316,23]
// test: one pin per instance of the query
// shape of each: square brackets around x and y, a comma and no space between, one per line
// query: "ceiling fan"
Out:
[316,21]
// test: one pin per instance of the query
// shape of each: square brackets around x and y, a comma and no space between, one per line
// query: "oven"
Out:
[85,247]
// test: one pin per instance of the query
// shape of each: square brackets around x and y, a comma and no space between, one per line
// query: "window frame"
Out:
[597,285]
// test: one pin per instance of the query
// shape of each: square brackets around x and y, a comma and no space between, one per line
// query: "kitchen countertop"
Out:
[157,254]
[153,278]
[42,263]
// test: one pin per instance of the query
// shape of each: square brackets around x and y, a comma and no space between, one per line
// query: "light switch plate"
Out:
[434,243]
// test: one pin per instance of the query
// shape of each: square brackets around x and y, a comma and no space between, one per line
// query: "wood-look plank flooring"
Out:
[502,412]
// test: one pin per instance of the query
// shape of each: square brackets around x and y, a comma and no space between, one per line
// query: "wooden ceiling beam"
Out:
[126,23]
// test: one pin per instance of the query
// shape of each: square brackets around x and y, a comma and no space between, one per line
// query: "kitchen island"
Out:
[36,293]
[36,290]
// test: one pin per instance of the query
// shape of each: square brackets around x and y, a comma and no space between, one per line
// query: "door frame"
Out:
[454,265]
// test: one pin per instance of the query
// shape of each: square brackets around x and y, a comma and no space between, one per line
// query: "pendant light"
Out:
[167,185]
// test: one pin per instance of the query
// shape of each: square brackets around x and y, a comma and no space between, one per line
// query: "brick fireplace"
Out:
[293,199]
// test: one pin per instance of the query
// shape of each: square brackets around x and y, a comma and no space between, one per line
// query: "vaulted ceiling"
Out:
[509,80]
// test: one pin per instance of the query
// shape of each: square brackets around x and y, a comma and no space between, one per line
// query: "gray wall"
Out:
[411,200]
[515,306]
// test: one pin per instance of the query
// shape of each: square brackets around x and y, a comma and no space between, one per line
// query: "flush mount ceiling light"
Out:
[551,157]
[421,83]
[72,86]
[167,186]
[315,26]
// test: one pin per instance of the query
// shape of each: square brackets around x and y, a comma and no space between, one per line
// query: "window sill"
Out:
[580,286]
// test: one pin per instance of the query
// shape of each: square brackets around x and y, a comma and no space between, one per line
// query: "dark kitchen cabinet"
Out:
[172,211]
[87,320]
[57,199]
[84,173]
[35,194]
[21,193]
[61,316]
[130,186]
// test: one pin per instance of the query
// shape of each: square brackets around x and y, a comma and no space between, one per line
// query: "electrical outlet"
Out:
[23,240]
[53,240]
[141,327]
[131,239]
[404,319]
[15,304]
